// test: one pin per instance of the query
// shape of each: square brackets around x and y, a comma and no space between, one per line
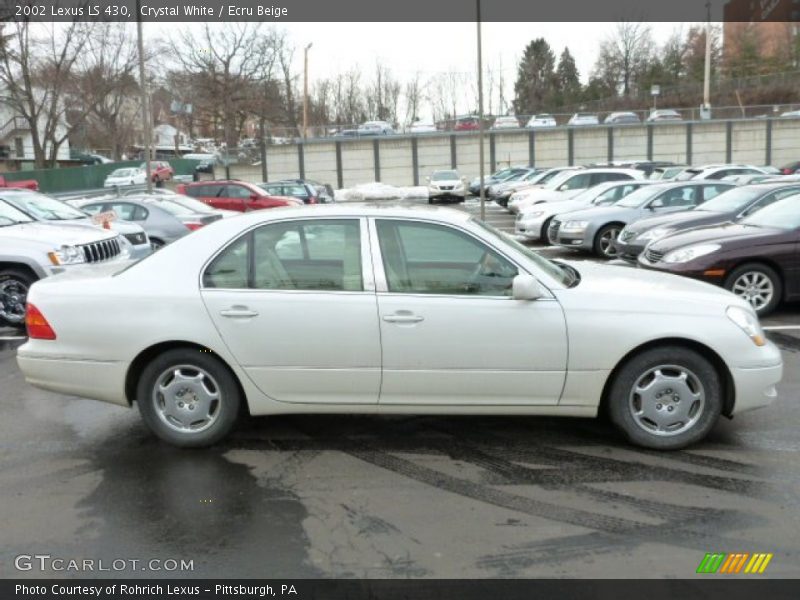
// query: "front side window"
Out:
[129,212]
[577,182]
[320,255]
[423,258]
[236,191]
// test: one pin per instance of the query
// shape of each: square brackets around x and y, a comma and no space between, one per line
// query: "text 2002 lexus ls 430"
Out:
[359,309]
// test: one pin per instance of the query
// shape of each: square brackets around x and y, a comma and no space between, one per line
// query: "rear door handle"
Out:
[238,312]
[403,318]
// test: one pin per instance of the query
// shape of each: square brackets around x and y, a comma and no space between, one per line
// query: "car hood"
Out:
[681,220]
[641,287]
[731,235]
[446,182]
[603,213]
[55,234]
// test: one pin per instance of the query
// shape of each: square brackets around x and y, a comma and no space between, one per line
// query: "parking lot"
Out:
[361,496]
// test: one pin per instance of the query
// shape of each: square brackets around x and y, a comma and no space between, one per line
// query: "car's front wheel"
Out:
[758,284]
[188,398]
[666,398]
[604,241]
[14,287]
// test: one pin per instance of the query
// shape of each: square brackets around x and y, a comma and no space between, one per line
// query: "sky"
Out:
[433,48]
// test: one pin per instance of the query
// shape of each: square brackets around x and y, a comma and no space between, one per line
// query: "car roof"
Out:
[378,208]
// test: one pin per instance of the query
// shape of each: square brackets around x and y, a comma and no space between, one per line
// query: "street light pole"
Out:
[147,129]
[707,74]
[480,114]
[305,91]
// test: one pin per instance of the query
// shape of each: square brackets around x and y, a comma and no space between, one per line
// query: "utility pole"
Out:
[305,90]
[147,130]
[707,75]
[480,114]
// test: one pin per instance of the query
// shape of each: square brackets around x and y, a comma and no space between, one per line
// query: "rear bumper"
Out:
[628,251]
[99,380]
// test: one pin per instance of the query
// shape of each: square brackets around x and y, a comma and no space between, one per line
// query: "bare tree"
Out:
[413,98]
[624,55]
[36,74]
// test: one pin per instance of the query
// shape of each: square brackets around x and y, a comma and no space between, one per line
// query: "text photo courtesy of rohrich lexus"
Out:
[512,304]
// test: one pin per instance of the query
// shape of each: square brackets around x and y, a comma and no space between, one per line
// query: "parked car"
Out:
[127,176]
[730,205]
[192,204]
[27,184]
[579,119]
[445,293]
[502,192]
[293,188]
[532,225]
[467,124]
[507,122]
[31,250]
[234,195]
[375,128]
[543,120]
[497,176]
[664,114]
[794,114]
[206,162]
[520,198]
[47,209]
[520,176]
[446,185]
[160,170]
[718,172]
[791,168]
[568,184]
[756,258]
[667,173]
[161,225]
[595,229]
[422,127]
[619,118]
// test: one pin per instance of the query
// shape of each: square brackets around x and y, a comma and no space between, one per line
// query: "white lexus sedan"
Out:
[380,309]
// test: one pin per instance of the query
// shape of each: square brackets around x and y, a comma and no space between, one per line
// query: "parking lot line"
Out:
[779,327]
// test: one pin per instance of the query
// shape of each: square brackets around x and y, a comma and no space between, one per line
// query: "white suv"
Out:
[31,250]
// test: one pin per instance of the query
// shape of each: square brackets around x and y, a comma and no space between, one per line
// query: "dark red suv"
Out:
[234,195]
[160,170]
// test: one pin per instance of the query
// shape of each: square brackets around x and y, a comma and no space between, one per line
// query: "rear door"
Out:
[235,197]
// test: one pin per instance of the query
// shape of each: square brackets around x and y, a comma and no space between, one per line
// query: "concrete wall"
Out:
[752,141]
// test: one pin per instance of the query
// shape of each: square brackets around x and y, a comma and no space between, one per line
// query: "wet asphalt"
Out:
[398,497]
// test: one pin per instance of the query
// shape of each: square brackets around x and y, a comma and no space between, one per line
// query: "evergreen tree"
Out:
[535,88]
[568,82]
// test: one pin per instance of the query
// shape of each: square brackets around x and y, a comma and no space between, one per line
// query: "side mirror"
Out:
[525,287]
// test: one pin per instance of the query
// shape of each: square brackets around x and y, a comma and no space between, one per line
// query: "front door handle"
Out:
[238,312]
[403,318]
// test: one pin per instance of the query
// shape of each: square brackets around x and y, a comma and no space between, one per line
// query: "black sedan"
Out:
[730,205]
[756,258]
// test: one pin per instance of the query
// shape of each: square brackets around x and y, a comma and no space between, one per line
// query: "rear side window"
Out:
[129,212]
[205,191]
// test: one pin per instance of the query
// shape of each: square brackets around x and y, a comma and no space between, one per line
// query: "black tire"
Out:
[600,249]
[760,272]
[191,361]
[156,244]
[622,398]
[430,201]
[543,237]
[14,286]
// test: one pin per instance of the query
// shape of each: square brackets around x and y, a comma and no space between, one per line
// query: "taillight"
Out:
[38,327]
[193,226]
[313,200]
[787,171]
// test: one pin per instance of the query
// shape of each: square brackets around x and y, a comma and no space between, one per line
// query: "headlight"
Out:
[575,226]
[66,255]
[682,255]
[747,321]
[654,234]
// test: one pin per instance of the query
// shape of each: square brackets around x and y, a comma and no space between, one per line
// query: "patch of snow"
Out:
[379,191]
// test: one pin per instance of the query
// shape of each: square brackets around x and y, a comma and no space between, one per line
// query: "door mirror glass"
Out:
[525,287]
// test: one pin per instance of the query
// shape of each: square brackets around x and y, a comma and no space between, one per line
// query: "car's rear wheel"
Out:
[758,284]
[14,287]
[666,398]
[604,241]
[188,398]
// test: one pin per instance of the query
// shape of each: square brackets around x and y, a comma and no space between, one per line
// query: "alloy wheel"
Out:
[755,287]
[187,399]
[13,295]
[667,400]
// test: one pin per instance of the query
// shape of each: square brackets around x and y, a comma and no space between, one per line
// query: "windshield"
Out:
[191,203]
[174,208]
[641,196]
[783,214]
[561,274]
[731,200]
[558,178]
[11,216]
[44,207]
[445,175]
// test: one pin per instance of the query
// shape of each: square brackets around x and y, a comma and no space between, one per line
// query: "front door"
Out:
[292,303]
[451,333]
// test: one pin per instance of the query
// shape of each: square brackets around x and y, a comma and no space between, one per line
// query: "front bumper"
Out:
[628,251]
[454,194]
[755,387]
